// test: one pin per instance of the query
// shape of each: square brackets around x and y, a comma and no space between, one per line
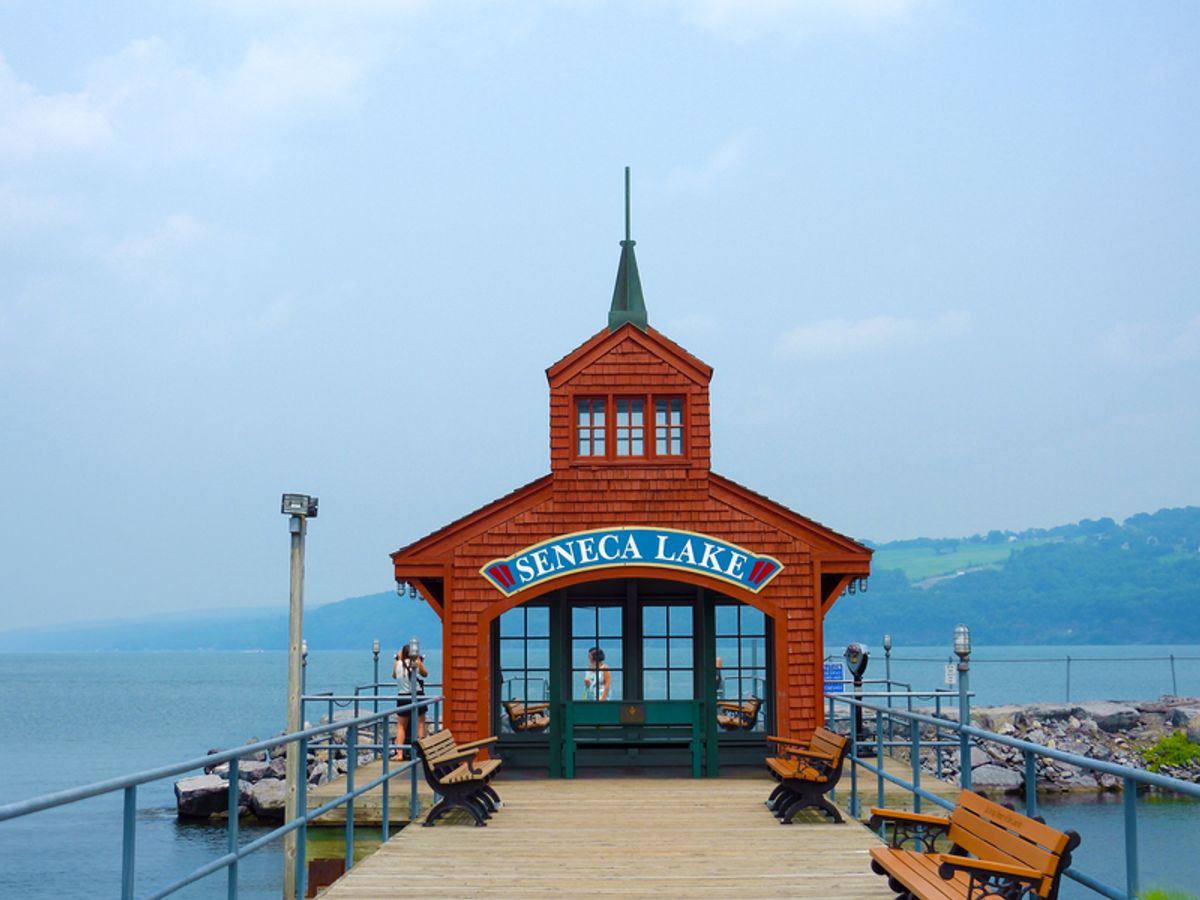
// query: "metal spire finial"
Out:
[628,233]
[627,302]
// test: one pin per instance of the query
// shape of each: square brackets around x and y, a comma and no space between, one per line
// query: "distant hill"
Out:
[1093,582]
[350,624]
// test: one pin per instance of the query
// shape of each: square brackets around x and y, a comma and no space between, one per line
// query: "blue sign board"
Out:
[631,546]
[835,673]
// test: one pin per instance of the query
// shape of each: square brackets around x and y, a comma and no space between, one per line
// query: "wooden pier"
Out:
[368,809]
[625,837]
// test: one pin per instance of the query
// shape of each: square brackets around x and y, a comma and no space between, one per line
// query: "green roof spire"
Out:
[628,305]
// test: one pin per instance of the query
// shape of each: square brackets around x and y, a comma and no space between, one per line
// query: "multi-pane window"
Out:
[742,655]
[668,666]
[525,655]
[597,675]
[620,427]
[590,426]
[668,426]
[631,427]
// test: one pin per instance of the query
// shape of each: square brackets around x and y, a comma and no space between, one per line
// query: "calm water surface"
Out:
[75,719]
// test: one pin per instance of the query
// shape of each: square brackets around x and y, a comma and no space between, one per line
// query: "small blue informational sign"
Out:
[835,673]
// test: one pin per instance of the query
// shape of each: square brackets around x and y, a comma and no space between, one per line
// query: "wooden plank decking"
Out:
[623,837]
[368,808]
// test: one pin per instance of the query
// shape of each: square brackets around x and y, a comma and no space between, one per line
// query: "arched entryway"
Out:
[679,661]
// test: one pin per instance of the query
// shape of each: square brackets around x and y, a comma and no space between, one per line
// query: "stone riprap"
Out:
[261,783]
[1109,730]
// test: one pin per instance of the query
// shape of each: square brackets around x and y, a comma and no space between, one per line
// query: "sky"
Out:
[942,257]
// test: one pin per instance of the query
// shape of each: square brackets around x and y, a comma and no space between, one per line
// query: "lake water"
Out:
[73,719]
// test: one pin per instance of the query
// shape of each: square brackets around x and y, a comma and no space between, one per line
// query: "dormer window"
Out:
[626,433]
[668,426]
[631,426]
[590,419]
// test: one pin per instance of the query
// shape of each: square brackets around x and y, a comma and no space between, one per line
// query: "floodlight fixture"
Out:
[299,505]
[962,641]
[375,646]
[887,643]
[414,648]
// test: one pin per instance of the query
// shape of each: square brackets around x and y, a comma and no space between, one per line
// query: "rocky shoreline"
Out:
[261,784]
[1113,731]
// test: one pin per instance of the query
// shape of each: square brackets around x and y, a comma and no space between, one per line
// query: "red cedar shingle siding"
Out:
[586,494]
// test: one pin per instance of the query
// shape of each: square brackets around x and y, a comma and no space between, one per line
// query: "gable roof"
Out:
[652,340]
[441,543]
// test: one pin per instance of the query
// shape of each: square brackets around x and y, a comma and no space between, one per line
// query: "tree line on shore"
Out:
[1095,582]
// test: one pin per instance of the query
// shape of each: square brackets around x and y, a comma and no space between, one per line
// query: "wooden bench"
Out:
[994,851]
[452,771]
[738,715]
[527,716]
[806,772]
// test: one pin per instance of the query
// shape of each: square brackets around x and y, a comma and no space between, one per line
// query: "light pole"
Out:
[375,688]
[962,649]
[301,508]
[375,653]
[887,674]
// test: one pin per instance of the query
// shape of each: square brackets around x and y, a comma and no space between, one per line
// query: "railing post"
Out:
[387,782]
[1068,679]
[879,754]
[231,831]
[302,811]
[914,749]
[330,774]
[1031,803]
[414,720]
[1129,788]
[937,732]
[351,765]
[964,721]
[854,763]
[128,843]
[1174,686]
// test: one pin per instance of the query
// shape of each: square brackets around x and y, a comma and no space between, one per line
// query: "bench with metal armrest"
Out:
[738,715]
[453,771]
[994,852]
[527,716]
[806,772]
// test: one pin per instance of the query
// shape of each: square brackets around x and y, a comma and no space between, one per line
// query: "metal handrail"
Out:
[129,784]
[1131,777]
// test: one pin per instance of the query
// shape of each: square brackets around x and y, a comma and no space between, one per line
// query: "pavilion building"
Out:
[706,598]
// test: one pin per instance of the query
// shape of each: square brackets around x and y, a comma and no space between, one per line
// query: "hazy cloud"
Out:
[177,232]
[32,123]
[337,10]
[742,19]
[841,337]
[142,99]
[20,211]
[1151,344]
[163,104]
[726,159]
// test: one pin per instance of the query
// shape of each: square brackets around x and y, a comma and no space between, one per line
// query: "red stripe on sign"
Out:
[753,579]
[768,568]
[502,575]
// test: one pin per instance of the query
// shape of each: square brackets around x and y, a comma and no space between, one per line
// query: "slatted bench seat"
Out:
[738,715]
[524,716]
[452,771]
[806,772]
[993,851]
